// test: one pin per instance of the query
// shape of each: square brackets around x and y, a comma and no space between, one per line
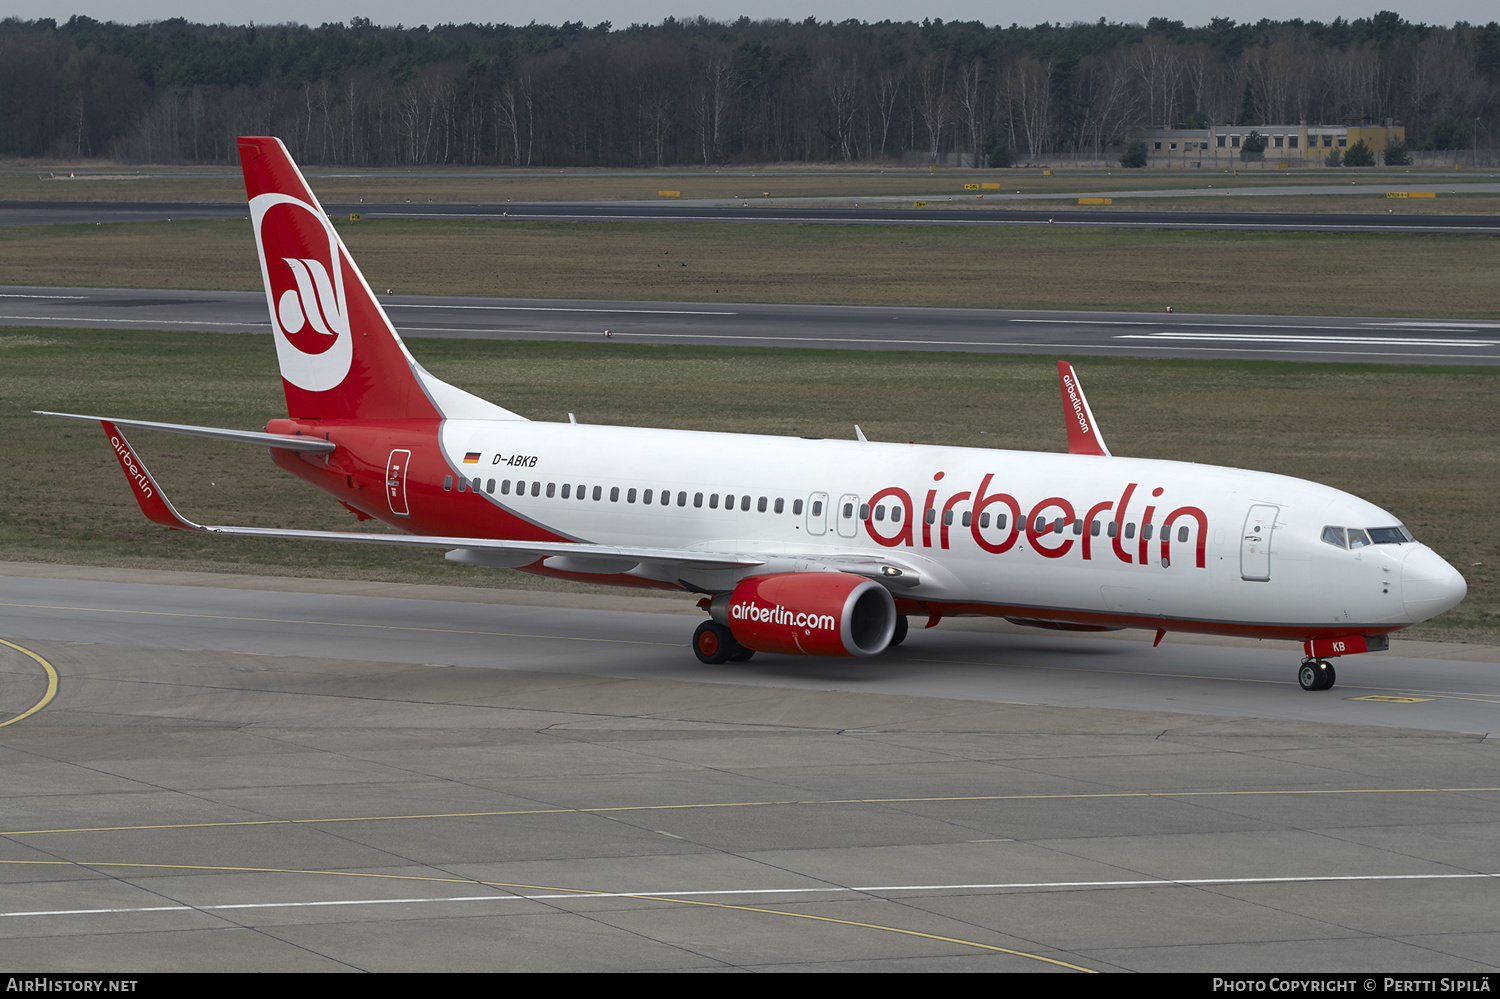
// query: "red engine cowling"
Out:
[809,613]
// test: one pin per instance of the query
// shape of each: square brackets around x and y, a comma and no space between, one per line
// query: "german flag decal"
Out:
[472,458]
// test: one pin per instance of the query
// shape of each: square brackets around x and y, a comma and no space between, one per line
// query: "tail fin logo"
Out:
[302,265]
[313,302]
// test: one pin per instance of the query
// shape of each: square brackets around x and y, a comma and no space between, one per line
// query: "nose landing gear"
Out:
[1316,674]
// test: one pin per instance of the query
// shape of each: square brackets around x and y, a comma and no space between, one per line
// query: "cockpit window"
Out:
[1359,537]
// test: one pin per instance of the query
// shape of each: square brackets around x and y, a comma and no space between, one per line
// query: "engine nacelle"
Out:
[809,613]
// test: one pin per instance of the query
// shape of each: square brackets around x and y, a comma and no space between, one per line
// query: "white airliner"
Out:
[817,547]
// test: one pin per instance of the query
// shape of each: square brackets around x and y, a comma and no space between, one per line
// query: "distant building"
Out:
[1295,145]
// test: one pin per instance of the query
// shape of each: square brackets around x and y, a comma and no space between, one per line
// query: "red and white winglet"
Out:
[1083,433]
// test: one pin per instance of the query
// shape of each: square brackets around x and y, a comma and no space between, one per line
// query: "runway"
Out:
[942,211]
[240,773]
[1309,338]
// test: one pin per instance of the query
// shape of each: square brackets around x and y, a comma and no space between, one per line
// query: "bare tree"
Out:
[933,102]
[971,102]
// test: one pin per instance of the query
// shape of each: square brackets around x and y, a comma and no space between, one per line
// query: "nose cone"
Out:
[1429,585]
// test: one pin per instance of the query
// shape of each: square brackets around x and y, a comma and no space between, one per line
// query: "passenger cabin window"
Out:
[447,483]
[797,507]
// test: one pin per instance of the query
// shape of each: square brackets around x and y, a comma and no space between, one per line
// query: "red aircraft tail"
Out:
[340,357]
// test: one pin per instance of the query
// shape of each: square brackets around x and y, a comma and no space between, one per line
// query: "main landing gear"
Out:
[713,644]
[1316,674]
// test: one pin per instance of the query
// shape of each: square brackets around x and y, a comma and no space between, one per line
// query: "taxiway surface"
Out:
[1311,338]
[240,773]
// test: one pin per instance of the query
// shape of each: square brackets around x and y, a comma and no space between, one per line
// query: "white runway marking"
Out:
[761,892]
[1368,341]
[1436,323]
[549,308]
[138,322]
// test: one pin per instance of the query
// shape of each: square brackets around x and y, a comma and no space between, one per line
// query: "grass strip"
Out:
[989,267]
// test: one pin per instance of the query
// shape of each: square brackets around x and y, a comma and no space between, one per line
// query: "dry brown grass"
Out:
[1417,441]
[999,267]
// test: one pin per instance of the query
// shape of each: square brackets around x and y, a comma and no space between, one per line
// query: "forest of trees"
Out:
[705,92]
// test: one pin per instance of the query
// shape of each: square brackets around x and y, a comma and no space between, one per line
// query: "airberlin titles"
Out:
[747,610]
[1052,526]
[1075,401]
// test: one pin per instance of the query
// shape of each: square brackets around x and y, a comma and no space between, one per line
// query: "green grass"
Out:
[1418,441]
[999,267]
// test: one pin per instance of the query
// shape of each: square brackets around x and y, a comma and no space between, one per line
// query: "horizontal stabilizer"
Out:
[282,441]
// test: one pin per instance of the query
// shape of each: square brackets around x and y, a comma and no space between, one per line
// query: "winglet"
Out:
[154,503]
[1083,433]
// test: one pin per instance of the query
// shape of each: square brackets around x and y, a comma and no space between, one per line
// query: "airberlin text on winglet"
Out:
[133,470]
[1071,386]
